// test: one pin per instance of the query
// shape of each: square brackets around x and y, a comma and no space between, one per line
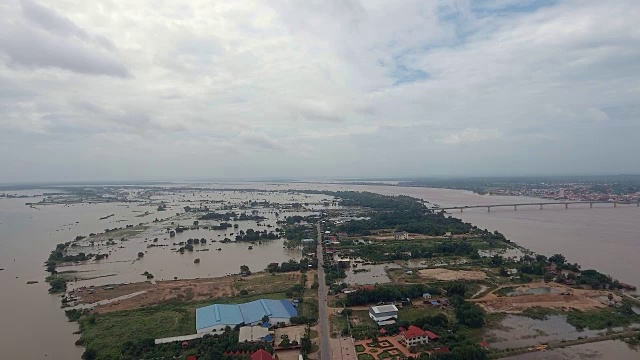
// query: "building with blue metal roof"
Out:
[216,317]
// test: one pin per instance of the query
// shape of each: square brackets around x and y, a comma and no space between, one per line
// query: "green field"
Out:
[410,313]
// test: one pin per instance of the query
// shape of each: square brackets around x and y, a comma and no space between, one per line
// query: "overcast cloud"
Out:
[106,90]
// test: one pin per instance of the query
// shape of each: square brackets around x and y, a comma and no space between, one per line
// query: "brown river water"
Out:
[34,327]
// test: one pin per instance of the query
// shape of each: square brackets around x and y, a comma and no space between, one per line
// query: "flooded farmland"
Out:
[597,238]
[604,350]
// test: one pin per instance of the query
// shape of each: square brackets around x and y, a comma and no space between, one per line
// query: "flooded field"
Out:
[30,233]
[519,331]
[601,238]
[604,350]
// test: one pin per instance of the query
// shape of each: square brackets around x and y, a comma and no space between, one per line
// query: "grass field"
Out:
[410,313]
[266,282]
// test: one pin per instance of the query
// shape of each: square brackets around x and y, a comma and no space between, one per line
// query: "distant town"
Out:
[621,188]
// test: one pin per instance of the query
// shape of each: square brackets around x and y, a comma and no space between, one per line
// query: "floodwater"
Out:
[603,238]
[604,350]
[520,331]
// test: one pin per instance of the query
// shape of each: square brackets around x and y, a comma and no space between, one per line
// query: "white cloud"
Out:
[318,87]
[471,135]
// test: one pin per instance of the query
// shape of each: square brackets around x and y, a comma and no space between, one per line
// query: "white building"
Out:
[383,313]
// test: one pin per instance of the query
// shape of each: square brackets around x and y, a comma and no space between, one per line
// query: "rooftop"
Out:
[261,355]
[253,333]
[414,331]
[247,313]
[383,308]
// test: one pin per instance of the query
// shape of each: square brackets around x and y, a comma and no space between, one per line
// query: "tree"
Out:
[557,259]
[189,247]
[503,272]
[244,268]
[89,354]
[195,222]
[457,288]
[265,319]
[496,260]
[140,254]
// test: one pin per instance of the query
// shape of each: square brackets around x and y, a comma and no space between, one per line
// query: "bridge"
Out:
[540,204]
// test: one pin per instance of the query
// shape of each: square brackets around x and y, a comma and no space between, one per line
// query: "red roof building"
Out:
[192,357]
[431,335]
[261,355]
[414,336]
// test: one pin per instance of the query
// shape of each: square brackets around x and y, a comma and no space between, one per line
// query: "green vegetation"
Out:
[57,284]
[109,331]
[505,290]
[591,319]
[390,293]
[402,213]
[469,314]
[292,265]
[539,313]
[601,319]
[410,313]
[253,235]
[228,216]
[366,357]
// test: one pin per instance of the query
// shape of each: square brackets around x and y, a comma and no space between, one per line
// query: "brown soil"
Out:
[185,290]
[568,298]
[445,274]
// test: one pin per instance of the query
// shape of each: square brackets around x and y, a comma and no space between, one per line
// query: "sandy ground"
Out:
[294,333]
[288,354]
[186,290]
[342,349]
[311,274]
[567,298]
[445,274]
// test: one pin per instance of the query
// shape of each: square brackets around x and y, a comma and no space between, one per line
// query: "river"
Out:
[34,327]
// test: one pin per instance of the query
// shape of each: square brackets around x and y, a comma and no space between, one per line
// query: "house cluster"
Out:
[428,299]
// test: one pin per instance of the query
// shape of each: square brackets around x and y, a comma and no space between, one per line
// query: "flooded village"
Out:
[170,264]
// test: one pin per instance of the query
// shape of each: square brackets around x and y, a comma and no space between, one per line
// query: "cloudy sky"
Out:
[93,90]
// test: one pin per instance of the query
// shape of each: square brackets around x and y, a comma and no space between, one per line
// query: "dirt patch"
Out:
[292,332]
[560,297]
[184,290]
[445,274]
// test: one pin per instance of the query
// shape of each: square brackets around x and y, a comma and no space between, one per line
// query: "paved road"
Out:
[323,316]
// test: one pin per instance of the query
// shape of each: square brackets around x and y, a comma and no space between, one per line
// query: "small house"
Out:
[401,235]
[426,296]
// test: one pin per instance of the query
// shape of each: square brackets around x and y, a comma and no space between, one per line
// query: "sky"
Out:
[165,89]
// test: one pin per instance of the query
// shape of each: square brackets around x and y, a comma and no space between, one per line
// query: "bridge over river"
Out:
[540,204]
